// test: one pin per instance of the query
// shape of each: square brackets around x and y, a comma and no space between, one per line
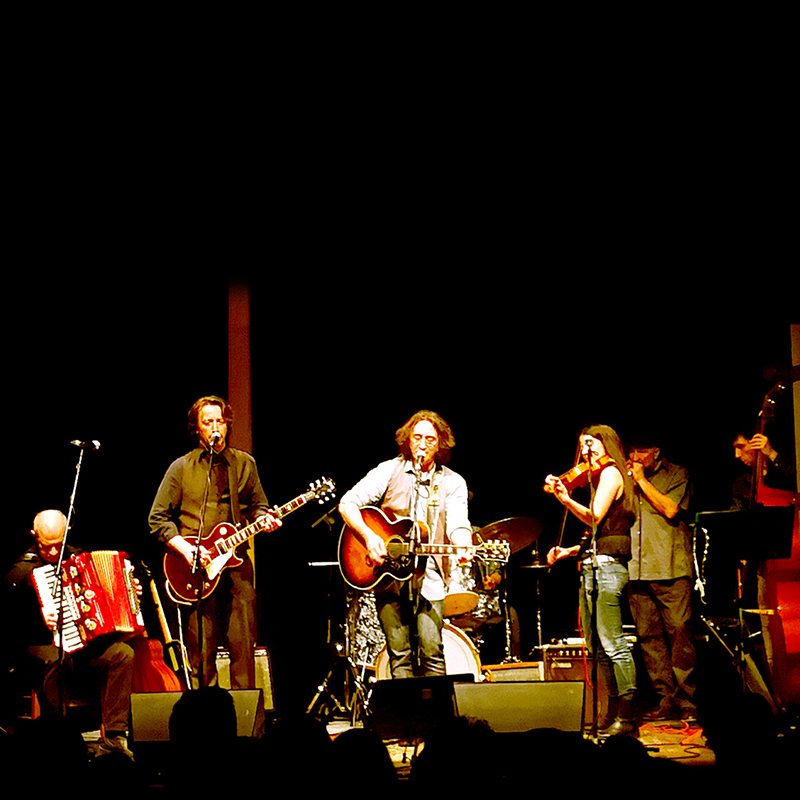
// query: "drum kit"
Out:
[468,609]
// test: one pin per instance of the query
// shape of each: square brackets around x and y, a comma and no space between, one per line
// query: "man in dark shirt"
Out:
[779,471]
[194,496]
[105,663]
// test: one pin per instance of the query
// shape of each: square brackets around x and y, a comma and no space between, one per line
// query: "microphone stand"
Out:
[198,569]
[58,586]
[593,597]
[414,542]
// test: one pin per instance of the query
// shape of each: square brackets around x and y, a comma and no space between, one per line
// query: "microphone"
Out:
[214,439]
[93,445]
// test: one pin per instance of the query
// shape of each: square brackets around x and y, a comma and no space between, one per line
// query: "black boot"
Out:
[625,724]
[605,720]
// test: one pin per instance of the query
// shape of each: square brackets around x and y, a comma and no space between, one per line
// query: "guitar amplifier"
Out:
[568,661]
[263,674]
[515,671]
[565,661]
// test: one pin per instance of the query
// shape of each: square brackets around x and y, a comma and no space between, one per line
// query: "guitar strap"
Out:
[233,488]
[434,504]
[236,513]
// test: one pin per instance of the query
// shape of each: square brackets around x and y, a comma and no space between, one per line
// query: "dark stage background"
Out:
[335,370]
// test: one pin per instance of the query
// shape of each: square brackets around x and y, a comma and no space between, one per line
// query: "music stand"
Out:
[754,534]
[757,534]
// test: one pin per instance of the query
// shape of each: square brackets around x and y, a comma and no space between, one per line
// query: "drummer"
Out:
[473,603]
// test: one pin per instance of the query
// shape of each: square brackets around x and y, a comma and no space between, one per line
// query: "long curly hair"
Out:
[446,439]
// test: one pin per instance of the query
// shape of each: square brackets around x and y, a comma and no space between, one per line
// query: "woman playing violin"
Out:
[604,572]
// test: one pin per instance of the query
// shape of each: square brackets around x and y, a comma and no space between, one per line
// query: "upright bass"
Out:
[781,578]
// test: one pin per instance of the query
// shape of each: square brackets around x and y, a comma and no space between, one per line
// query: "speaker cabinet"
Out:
[263,674]
[516,706]
[568,662]
[410,708]
[150,713]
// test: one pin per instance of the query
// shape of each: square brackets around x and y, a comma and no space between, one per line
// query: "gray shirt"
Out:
[661,548]
[442,505]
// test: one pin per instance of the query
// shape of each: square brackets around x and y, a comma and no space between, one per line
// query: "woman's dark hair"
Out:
[446,439]
[616,451]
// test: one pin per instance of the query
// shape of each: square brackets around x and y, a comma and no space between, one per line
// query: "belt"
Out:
[603,559]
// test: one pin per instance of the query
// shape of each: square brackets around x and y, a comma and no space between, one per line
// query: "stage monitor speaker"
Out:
[516,706]
[150,713]
[410,708]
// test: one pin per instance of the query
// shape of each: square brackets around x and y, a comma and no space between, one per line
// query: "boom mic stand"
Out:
[58,586]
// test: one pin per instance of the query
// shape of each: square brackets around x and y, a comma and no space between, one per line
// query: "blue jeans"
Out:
[395,612]
[615,660]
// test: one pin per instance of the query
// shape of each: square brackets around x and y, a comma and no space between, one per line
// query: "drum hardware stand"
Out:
[359,702]
[537,567]
[503,596]
[357,707]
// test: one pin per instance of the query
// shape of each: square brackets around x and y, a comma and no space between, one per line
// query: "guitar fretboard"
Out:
[240,537]
[491,551]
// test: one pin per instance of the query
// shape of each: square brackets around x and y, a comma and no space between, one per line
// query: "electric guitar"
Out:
[404,557]
[184,586]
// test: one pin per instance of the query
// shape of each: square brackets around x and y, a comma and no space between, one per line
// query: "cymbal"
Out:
[519,532]
[459,603]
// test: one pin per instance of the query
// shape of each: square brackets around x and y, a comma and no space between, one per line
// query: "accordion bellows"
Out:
[98,596]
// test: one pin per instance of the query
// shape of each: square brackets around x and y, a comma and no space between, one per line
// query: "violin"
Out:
[579,474]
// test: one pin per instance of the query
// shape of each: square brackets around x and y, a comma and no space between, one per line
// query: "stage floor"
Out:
[676,741]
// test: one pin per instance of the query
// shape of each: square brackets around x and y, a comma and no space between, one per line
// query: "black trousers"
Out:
[229,620]
[104,666]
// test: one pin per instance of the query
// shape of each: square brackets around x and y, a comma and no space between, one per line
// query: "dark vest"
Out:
[398,497]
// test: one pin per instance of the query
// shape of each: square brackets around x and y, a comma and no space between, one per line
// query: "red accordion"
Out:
[98,597]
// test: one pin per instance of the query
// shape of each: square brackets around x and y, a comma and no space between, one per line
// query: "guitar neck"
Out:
[240,537]
[440,549]
[479,551]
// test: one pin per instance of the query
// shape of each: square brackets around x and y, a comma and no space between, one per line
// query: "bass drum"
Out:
[460,655]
